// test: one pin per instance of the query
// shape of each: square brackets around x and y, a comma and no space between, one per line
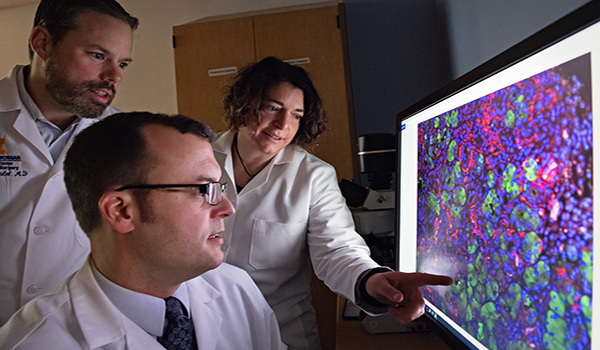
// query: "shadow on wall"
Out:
[399,53]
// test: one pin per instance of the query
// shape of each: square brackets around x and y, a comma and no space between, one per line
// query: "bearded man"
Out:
[78,50]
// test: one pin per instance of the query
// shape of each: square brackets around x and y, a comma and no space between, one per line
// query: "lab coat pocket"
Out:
[276,244]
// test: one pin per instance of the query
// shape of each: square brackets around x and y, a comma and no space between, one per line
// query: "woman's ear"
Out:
[40,42]
[116,209]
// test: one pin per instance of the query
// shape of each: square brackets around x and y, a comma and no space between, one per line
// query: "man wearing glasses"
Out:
[144,189]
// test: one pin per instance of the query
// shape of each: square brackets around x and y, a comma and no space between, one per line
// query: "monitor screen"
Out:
[496,189]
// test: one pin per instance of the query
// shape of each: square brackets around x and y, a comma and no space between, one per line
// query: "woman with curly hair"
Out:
[291,217]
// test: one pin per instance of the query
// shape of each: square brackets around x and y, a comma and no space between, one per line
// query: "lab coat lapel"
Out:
[12,108]
[100,321]
[284,156]
[25,125]
[207,323]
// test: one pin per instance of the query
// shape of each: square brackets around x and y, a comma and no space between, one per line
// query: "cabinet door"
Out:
[210,46]
[317,35]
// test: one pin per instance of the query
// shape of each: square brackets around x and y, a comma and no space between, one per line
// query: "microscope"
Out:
[373,205]
[373,209]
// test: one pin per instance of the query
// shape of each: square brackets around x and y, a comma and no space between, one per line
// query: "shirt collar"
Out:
[146,311]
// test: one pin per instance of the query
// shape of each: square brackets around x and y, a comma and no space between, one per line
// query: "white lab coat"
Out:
[290,215]
[41,243]
[228,310]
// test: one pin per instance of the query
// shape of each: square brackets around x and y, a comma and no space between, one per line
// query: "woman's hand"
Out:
[401,291]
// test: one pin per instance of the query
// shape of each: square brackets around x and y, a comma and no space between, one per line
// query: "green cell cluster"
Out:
[509,183]
[510,119]
[531,169]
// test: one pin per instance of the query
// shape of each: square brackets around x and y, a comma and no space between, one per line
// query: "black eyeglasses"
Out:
[212,190]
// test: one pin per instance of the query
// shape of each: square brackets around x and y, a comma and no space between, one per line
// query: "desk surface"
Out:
[352,336]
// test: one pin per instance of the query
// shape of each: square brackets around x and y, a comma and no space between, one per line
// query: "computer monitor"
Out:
[496,189]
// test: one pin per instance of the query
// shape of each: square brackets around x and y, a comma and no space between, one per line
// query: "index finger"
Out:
[419,279]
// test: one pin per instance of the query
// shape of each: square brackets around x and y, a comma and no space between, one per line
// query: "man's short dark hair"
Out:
[255,81]
[112,153]
[60,16]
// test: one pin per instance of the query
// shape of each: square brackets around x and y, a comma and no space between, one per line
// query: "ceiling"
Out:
[13,3]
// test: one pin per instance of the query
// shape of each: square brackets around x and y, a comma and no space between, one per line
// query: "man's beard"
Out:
[72,95]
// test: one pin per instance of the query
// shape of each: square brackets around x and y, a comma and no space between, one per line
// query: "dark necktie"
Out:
[179,333]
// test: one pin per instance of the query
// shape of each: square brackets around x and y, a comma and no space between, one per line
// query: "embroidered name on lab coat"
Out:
[9,166]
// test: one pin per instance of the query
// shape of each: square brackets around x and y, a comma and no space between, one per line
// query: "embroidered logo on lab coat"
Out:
[9,165]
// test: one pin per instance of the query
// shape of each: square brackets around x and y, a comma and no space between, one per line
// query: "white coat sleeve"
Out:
[338,253]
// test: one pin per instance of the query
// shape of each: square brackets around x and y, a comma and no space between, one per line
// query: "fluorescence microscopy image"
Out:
[505,206]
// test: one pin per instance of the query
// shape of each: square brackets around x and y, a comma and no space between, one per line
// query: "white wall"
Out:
[149,82]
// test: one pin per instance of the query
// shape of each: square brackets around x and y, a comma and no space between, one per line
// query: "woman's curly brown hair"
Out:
[254,82]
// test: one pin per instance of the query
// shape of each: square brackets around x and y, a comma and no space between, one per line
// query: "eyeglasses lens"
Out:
[215,192]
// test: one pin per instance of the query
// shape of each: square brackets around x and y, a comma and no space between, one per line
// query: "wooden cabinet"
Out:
[209,52]
[205,53]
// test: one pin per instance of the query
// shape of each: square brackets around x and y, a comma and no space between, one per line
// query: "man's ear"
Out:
[40,42]
[116,209]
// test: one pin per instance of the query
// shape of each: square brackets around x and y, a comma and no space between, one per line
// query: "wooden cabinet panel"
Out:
[204,46]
